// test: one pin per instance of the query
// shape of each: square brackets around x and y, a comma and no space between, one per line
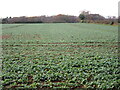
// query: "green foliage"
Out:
[82,16]
[60,56]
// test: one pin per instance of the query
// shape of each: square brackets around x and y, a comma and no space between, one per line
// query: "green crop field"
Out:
[60,55]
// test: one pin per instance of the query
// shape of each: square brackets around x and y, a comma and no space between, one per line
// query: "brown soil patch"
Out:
[5,36]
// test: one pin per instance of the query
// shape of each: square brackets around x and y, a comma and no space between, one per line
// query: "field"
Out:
[60,55]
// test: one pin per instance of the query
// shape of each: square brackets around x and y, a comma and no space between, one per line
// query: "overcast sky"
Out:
[53,7]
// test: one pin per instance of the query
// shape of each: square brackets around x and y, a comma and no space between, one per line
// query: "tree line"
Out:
[42,19]
[84,17]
